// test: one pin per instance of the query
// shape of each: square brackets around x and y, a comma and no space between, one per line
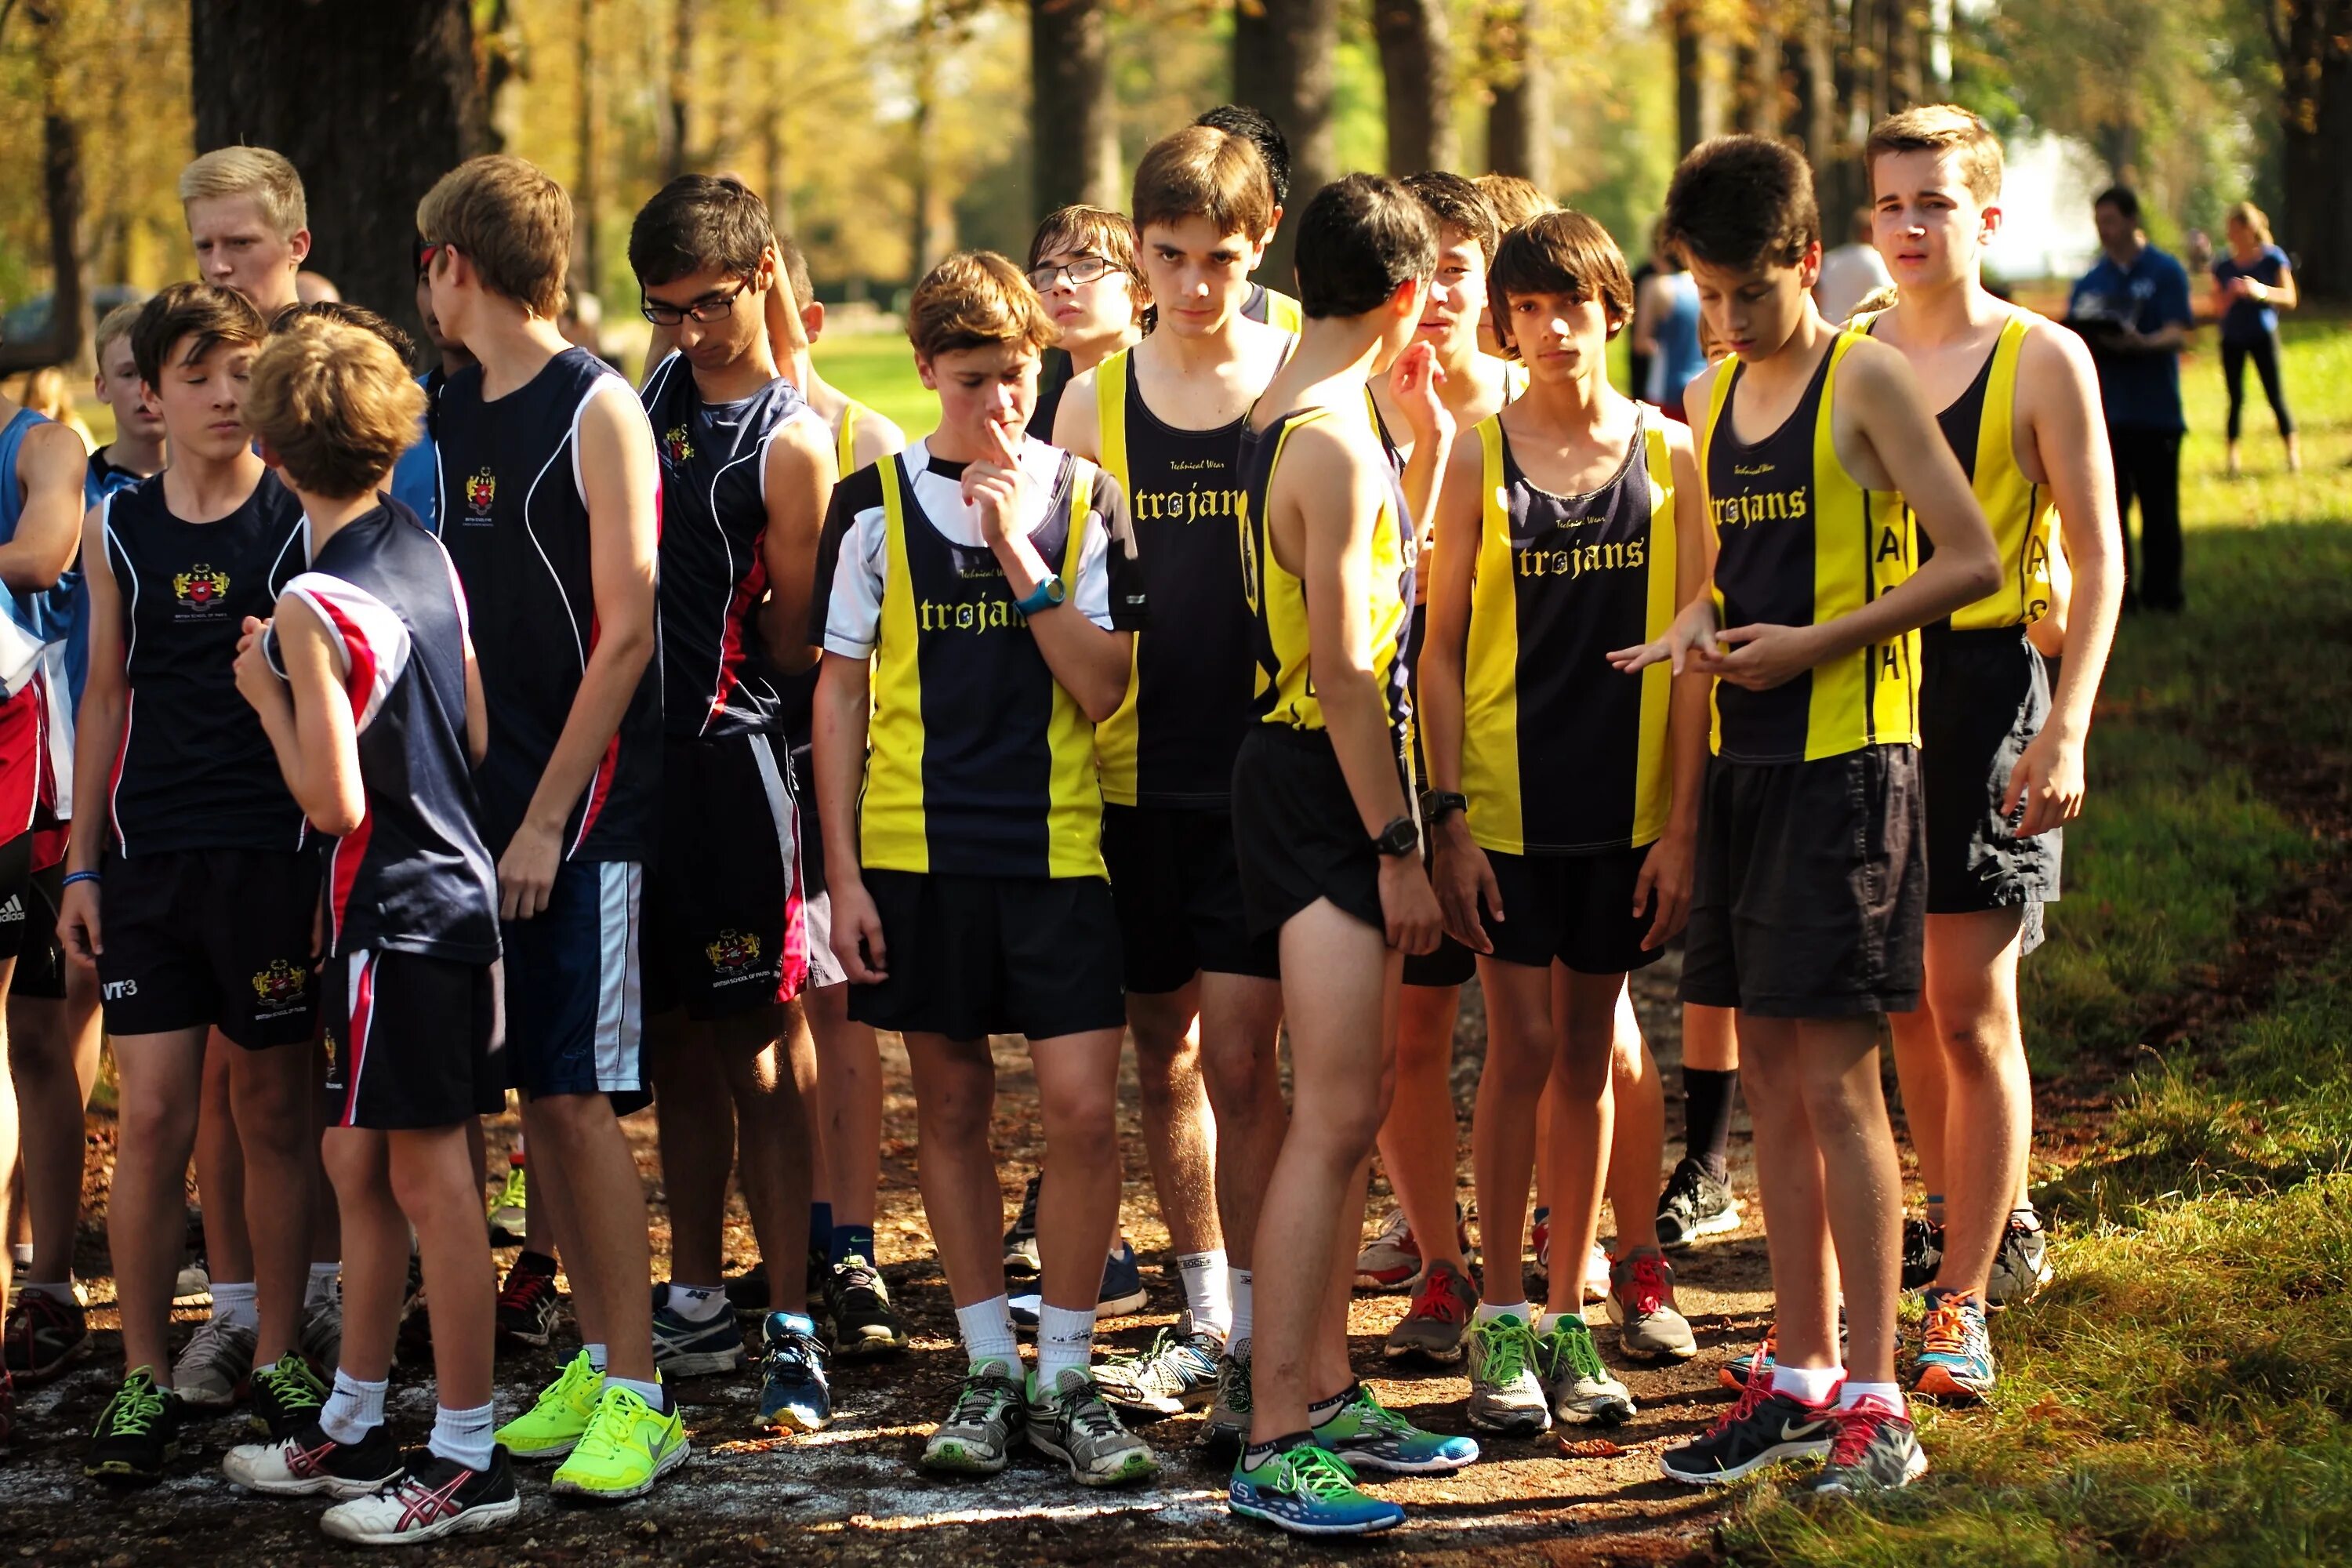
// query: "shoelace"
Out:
[1510,1349]
[1133,1365]
[1086,1412]
[617,1414]
[1683,1191]
[856,1274]
[1646,1277]
[290,1387]
[795,1346]
[514,1194]
[1439,1300]
[1373,1417]
[135,1408]
[566,1389]
[1574,1341]
[1947,1330]
[524,1288]
[1752,1395]
[979,1401]
[1234,1387]
[1315,1472]
[1857,1425]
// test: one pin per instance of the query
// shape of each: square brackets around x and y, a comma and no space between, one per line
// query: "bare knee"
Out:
[953,1109]
[155,1122]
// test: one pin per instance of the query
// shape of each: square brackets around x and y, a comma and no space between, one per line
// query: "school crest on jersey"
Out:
[733,952]
[280,988]
[480,492]
[677,445]
[200,587]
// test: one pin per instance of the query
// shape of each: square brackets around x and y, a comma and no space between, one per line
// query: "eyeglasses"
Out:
[1082,269]
[712,308]
[425,250]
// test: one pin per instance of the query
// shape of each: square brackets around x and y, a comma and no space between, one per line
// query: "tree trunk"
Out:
[776,148]
[587,190]
[1283,52]
[1697,105]
[1761,107]
[373,103]
[1519,122]
[1810,67]
[1073,116]
[923,245]
[1416,69]
[2314,42]
[678,92]
[66,339]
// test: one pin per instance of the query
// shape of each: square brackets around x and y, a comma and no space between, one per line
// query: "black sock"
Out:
[536,1263]
[1707,1117]
[1257,1454]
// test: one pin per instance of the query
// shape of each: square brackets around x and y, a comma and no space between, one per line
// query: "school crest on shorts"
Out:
[677,444]
[480,492]
[280,988]
[200,588]
[733,952]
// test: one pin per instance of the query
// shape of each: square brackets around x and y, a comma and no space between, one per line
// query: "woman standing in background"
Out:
[2251,285]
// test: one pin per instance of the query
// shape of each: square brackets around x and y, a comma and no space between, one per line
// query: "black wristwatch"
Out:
[1398,837]
[1437,805]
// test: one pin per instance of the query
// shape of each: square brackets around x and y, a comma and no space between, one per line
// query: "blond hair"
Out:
[333,404]
[257,172]
[508,217]
[117,325]
[2257,222]
[1941,128]
[972,299]
[1517,201]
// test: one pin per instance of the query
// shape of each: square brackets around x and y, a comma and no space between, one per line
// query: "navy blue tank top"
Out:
[196,770]
[515,520]
[717,676]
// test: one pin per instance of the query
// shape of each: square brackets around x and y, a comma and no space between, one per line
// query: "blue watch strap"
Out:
[1044,596]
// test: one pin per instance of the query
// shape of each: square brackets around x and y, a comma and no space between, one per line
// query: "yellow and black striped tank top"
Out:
[1278,598]
[980,763]
[1799,542]
[1980,425]
[1560,753]
[1273,307]
[1191,695]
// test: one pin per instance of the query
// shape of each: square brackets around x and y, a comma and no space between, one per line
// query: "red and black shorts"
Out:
[412,1041]
[724,928]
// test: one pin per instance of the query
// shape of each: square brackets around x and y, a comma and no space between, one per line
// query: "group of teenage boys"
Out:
[1278,664]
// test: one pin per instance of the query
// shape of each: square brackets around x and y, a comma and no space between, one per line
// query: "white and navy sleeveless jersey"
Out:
[196,771]
[717,677]
[514,517]
[414,876]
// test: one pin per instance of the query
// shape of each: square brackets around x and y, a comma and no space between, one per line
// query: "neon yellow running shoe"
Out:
[509,1209]
[627,1447]
[549,1429]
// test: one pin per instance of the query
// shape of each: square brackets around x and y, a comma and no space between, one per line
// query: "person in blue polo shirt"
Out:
[2132,309]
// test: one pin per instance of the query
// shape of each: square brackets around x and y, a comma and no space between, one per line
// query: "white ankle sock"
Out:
[1237,1280]
[1854,1393]
[651,1393]
[1207,1295]
[1065,1338]
[236,1306]
[1550,1320]
[1807,1384]
[353,1408]
[599,1356]
[1489,1311]
[698,1303]
[324,1279]
[987,1331]
[58,1290]
[462,1437]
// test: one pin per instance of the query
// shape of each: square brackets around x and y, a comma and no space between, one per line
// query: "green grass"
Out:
[878,370]
[2180,1394]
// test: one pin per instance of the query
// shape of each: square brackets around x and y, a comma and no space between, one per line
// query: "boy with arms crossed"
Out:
[1164,418]
[210,884]
[365,681]
[746,470]
[976,597]
[1325,839]
[2001,757]
[1806,436]
[549,505]
[1565,801]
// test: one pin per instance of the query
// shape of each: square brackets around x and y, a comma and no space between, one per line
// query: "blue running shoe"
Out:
[1375,1438]
[793,1393]
[1123,1294]
[1956,1352]
[684,1348]
[1308,1490]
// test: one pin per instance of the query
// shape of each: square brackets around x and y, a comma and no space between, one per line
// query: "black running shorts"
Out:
[41,964]
[1811,895]
[412,1041]
[1297,836]
[21,927]
[1576,909]
[1983,697]
[816,904]
[724,929]
[1180,898]
[198,936]
[973,956]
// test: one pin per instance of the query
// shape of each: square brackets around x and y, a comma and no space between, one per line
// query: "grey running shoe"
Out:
[1021,1242]
[1071,1422]
[320,1338]
[1580,1389]
[1876,1450]
[2021,1266]
[1178,1371]
[1694,1205]
[1506,1395]
[1642,1305]
[1440,1316]
[977,1436]
[1229,1414]
[213,1370]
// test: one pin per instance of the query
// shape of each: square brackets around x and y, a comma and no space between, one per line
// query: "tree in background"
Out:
[373,103]
[1282,53]
[1519,116]
[1073,117]
[2312,39]
[1417,70]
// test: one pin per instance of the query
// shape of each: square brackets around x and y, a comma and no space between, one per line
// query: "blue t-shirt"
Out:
[2141,391]
[2250,320]
[417,477]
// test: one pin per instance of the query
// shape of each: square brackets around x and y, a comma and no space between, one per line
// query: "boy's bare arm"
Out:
[798,482]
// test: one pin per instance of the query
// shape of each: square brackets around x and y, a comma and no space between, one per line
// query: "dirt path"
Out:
[853,1493]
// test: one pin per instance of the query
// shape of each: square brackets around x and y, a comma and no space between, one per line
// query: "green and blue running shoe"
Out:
[793,1393]
[1374,1438]
[1308,1490]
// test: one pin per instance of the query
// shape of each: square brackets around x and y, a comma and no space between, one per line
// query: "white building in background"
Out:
[2045,198]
